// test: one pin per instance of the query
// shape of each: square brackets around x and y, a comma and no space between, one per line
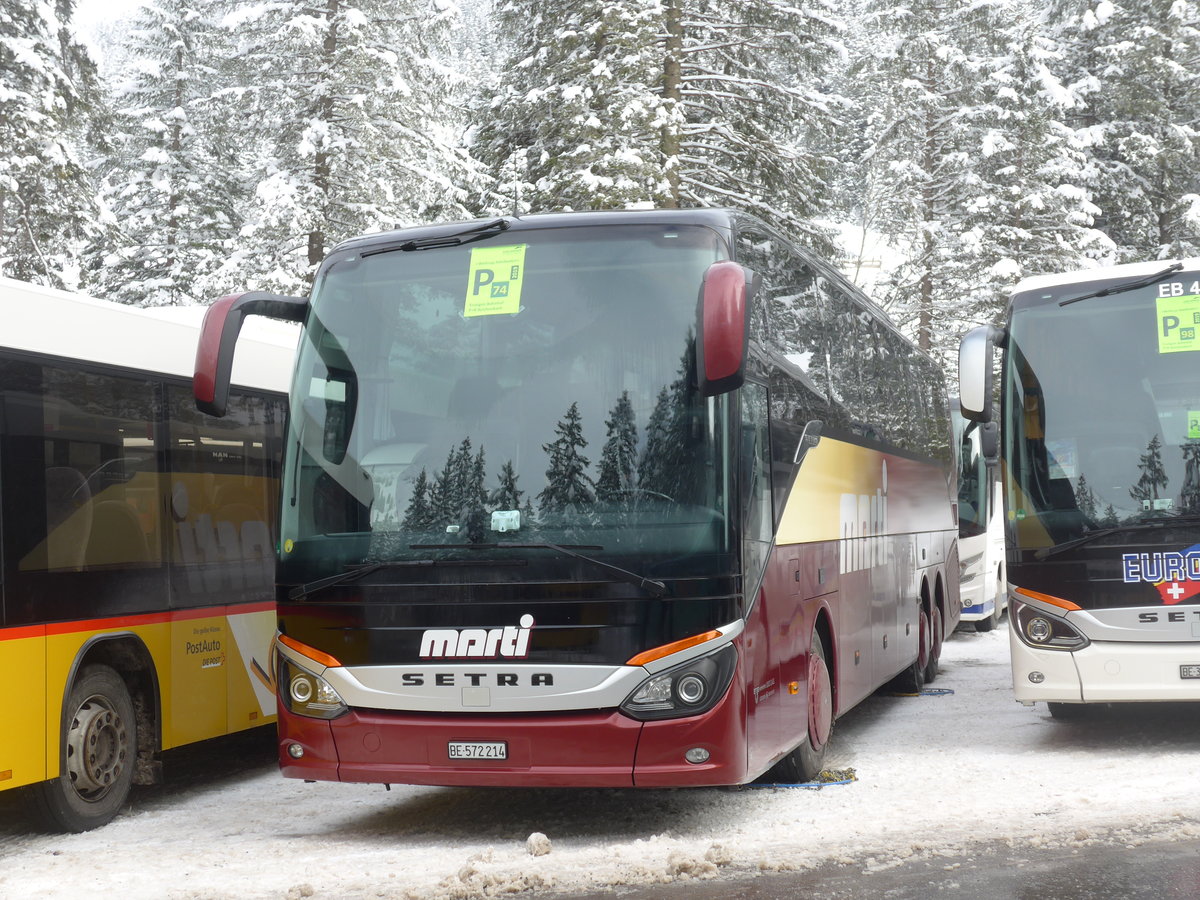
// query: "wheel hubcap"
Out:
[820,702]
[97,748]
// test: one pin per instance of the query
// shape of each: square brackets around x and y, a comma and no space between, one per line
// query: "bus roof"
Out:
[42,320]
[712,217]
[1102,273]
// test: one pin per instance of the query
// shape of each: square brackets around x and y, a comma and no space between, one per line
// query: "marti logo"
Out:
[1175,574]
[509,642]
[864,521]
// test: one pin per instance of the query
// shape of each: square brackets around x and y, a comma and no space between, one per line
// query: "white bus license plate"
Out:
[478,750]
[1189,671]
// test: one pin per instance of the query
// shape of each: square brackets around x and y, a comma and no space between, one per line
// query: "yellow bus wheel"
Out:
[99,755]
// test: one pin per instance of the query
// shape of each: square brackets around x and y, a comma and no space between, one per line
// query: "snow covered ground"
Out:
[937,775]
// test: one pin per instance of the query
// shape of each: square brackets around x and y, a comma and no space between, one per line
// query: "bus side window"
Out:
[223,496]
[97,477]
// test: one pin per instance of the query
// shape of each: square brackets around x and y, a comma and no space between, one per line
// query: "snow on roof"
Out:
[1102,273]
[42,320]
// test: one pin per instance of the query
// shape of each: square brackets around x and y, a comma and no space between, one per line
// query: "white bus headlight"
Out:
[684,690]
[1043,630]
[307,694]
[1039,630]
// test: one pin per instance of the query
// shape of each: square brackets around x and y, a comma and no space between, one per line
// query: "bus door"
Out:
[222,498]
[767,605]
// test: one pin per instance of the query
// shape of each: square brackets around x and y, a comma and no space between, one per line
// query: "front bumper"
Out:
[594,749]
[1105,672]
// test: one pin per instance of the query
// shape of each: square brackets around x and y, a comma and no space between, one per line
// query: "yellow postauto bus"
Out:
[137,545]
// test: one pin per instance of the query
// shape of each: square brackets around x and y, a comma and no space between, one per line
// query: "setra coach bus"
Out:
[1100,453]
[138,541]
[596,499]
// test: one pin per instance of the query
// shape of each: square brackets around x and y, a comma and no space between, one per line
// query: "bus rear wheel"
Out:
[912,679]
[98,756]
[935,644]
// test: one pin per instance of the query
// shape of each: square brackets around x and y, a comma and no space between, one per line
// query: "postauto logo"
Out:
[509,642]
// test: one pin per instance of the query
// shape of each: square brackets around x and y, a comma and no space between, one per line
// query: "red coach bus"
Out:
[613,499]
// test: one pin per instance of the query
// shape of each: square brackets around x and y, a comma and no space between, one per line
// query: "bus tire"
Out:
[912,678]
[98,758]
[991,621]
[935,644]
[1067,712]
[804,764]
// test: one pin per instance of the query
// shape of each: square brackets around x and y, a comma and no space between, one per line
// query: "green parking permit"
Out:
[1178,323]
[494,280]
[1194,425]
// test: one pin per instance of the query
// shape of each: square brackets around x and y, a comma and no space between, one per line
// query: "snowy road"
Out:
[937,774]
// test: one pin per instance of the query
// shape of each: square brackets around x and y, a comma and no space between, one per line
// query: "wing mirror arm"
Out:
[218,338]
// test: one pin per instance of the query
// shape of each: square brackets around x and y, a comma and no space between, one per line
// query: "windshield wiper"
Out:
[655,587]
[303,590]
[454,239]
[1126,286]
[1143,524]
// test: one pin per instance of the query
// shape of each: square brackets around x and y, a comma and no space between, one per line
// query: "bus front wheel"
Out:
[98,757]
[804,764]
[989,623]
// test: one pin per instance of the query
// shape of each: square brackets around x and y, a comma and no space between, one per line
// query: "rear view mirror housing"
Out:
[976,355]
[723,327]
[218,338]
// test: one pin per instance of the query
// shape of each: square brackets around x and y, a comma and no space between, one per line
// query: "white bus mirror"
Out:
[975,355]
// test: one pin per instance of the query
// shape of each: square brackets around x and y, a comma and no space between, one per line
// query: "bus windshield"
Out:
[1102,418]
[453,401]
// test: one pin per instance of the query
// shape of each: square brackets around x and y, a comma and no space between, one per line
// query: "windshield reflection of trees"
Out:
[458,503]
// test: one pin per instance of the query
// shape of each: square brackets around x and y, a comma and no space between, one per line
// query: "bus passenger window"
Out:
[100,484]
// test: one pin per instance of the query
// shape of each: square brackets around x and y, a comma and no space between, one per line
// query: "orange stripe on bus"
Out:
[667,649]
[24,631]
[81,625]
[1049,598]
[312,653]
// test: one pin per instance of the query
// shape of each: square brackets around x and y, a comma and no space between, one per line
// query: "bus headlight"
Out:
[1045,631]
[307,694]
[684,690]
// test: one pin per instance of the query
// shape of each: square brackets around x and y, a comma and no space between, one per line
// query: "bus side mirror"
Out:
[218,337]
[724,327]
[975,355]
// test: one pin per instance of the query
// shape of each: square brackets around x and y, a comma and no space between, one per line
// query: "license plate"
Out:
[1189,671]
[478,750]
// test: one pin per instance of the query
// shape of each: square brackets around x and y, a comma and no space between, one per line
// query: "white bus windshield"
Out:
[1102,419]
